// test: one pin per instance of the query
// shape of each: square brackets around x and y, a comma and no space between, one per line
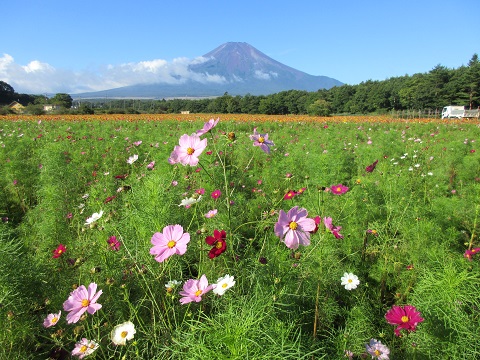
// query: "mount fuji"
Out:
[234,67]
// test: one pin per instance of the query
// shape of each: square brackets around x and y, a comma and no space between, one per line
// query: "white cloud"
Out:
[38,78]
[265,76]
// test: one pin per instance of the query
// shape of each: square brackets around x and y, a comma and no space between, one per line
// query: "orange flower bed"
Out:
[232,117]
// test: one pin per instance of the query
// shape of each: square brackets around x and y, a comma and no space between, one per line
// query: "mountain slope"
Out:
[237,68]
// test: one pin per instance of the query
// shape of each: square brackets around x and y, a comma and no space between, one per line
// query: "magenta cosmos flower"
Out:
[209,125]
[172,241]
[334,229]
[294,227]
[469,253]
[188,150]
[59,251]
[113,243]
[338,189]
[261,140]
[406,317]
[216,194]
[194,289]
[81,300]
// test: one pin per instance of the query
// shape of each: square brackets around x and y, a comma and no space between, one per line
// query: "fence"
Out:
[417,114]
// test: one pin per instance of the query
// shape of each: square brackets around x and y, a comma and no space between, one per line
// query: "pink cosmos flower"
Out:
[216,194]
[194,289]
[151,165]
[200,191]
[51,319]
[172,241]
[188,150]
[137,143]
[334,229]
[406,317]
[294,227]
[261,140]
[377,350]
[81,300]
[338,189]
[209,125]
[84,348]
[211,213]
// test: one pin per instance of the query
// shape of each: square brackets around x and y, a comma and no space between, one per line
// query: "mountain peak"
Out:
[240,59]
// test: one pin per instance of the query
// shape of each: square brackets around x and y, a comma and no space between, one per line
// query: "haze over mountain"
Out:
[234,67]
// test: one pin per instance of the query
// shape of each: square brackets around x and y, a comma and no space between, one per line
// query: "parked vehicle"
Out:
[459,112]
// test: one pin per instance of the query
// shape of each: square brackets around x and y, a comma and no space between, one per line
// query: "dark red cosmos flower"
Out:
[108,199]
[371,167]
[59,251]
[218,242]
[123,177]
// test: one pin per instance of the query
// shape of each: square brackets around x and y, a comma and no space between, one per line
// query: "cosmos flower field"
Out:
[239,237]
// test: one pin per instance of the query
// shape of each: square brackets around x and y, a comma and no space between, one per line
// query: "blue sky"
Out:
[76,46]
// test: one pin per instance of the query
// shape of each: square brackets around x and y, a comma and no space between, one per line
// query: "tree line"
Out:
[433,90]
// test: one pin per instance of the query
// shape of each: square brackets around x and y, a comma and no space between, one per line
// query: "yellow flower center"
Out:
[124,334]
[83,348]
[198,292]
[377,352]
[171,244]
[350,280]
[54,320]
[190,151]
[405,318]
[85,302]
[60,251]
[293,225]
[218,245]
[224,285]
[261,139]
[339,189]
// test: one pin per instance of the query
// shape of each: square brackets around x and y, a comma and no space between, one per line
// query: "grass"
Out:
[405,227]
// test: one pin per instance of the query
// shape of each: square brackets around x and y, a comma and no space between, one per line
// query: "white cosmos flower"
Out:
[123,332]
[189,201]
[172,284]
[132,159]
[350,281]
[94,217]
[223,284]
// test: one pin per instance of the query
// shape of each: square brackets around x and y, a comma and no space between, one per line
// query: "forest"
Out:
[429,91]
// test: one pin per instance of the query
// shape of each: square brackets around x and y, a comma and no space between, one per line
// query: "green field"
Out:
[406,228]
